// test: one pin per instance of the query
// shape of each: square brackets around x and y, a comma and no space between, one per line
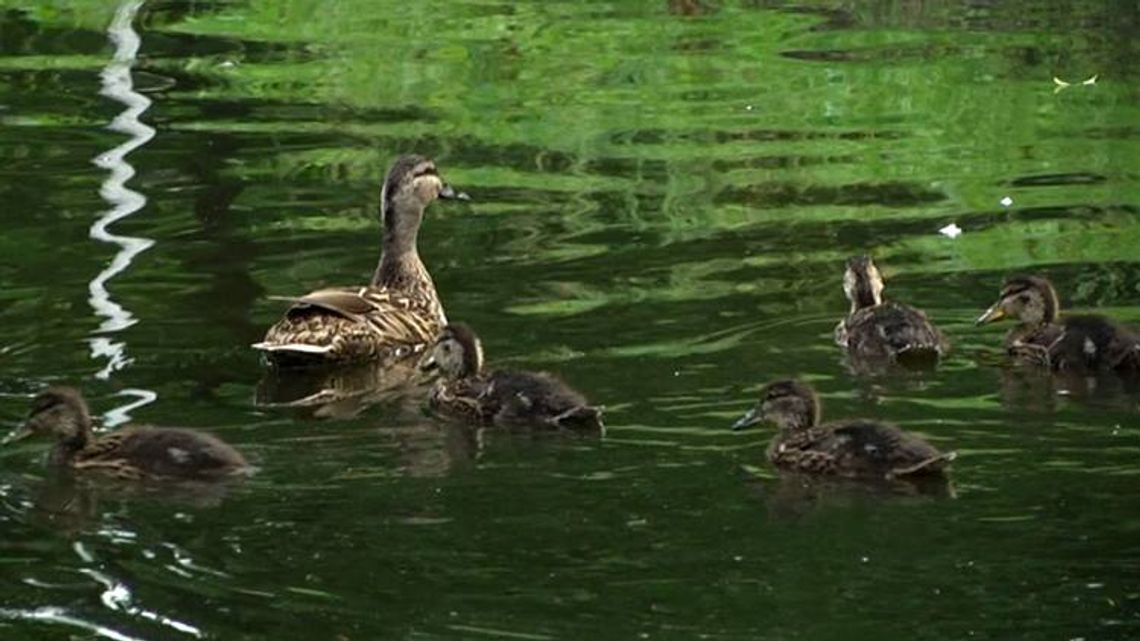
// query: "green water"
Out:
[663,194]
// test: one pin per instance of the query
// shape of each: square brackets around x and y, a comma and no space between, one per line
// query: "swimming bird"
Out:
[391,318]
[504,398]
[1080,343]
[851,448]
[884,331]
[129,453]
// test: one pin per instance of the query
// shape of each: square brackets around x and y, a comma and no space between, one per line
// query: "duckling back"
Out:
[891,331]
[529,398]
[168,453]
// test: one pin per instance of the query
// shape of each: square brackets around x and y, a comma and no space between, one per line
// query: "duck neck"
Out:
[71,445]
[400,265]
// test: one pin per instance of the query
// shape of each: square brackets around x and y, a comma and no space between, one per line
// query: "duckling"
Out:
[853,448]
[393,317]
[503,398]
[875,330]
[1079,344]
[129,453]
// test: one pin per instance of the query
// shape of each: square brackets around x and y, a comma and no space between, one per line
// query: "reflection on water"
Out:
[117,85]
[664,195]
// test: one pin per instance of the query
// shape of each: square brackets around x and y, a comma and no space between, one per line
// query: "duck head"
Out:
[1030,299]
[411,185]
[862,283]
[790,404]
[457,353]
[59,413]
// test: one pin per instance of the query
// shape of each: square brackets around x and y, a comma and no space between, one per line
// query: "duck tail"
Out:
[582,417]
[926,466]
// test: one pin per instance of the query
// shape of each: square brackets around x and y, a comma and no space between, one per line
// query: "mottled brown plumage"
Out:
[855,448]
[880,332]
[504,398]
[128,453]
[1077,344]
[396,315]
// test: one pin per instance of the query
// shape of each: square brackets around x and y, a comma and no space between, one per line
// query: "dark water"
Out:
[663,196]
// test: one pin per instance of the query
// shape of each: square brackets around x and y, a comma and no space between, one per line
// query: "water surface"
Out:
[663,196]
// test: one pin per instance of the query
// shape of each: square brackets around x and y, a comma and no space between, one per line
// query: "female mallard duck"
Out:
[394,316]
[877,330]
[1081,344]
[501,398]
[856,448]
[130,453]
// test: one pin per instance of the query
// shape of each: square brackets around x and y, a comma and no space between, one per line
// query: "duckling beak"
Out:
[447,192]
[428,364]
[18,434]
[994,313]
[750,418]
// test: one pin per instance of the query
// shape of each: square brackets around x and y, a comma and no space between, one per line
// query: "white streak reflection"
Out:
[117,85]
[58,615]
[122,414]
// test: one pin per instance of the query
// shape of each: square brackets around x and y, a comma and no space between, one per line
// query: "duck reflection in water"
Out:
[344,392]
[790,496]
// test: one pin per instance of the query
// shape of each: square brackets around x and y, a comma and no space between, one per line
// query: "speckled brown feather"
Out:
[361,323]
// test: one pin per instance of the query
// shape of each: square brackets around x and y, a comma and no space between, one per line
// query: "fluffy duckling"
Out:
[397,314]
[878,330]
[1078,344]
[503,398]
[129,453]
[853,448]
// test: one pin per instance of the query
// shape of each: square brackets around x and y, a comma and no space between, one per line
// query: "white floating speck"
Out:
[748,108]
[951,231]
[1006,202]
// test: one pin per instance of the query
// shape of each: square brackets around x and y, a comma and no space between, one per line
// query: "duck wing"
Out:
[353,323]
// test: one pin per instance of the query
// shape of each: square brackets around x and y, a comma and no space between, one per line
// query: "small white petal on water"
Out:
[951,231]
[1006,202]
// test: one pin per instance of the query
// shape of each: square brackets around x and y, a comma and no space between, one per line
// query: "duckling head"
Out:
[1030,299]
[862,283]
[790,404]
[59,413]
[457,353]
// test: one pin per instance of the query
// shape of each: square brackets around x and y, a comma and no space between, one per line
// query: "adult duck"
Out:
[394,316]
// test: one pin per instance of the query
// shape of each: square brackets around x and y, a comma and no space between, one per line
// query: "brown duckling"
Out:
[1079,344]
[852,448]
[884,331]
[393,317]
[129,453]
[504,398]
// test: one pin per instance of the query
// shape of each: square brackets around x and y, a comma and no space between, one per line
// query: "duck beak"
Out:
[447,192]
[428,364]
[18,434]
[750,418]
[992,314]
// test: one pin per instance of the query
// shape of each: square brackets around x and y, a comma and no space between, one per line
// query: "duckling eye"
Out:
[1023,299]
